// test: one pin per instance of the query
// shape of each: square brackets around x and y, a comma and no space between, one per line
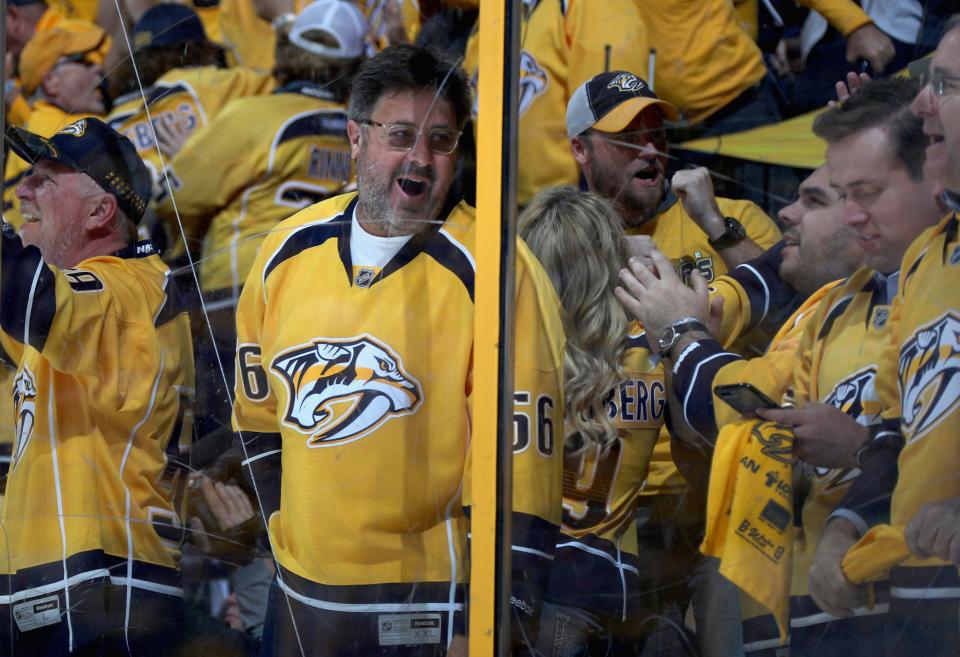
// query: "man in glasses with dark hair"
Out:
[354,389]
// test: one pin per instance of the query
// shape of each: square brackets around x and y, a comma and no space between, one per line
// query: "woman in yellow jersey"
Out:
[615,404]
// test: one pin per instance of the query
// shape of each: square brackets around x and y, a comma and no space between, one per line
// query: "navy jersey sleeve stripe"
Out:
[694,372]
[534,543]
[760,279]
[28,291]
[869,494]
[263,468]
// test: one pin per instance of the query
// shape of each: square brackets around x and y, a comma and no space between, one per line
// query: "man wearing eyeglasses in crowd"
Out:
[354,393]
[918,383]
[60,75]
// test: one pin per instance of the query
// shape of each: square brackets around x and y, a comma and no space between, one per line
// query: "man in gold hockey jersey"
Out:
[354,389]
[60,73]
[182,79]
[918,383]
[232,183]
[102,397]
[615,126]
[886,204]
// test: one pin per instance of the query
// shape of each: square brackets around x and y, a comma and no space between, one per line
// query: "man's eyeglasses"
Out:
[403,136]
[78,58]
[940,83]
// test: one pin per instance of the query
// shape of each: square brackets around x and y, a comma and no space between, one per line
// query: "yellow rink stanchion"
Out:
[492,439]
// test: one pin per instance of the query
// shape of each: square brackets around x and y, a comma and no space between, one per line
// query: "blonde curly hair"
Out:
[578,237]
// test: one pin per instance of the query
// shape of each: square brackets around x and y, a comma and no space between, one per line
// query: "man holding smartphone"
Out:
[831,374]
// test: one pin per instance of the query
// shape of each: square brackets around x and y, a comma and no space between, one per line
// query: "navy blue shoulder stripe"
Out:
[835,313]
[447,254]
[322,123]
[307,237]
[173,305]
[950,233]
[912,269]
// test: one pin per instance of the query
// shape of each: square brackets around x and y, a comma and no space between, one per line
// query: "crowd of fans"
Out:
[237,279]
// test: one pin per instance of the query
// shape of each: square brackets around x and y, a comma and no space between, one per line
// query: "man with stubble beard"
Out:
[615,126]
[354,389]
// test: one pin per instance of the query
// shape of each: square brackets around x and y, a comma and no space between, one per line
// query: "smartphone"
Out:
[743,397]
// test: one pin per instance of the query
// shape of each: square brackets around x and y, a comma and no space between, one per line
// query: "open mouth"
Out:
[411,187]
[647,176]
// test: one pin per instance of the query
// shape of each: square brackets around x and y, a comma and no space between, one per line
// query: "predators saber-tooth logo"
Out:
[929,381]
[25,411]
[77,128]
[857,397]
[340,390]
[626,82]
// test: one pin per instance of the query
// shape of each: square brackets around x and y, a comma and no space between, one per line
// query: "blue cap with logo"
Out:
[94,148]
[610,101]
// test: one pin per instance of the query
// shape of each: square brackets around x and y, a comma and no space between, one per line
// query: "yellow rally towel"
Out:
[877,552]
[750,512]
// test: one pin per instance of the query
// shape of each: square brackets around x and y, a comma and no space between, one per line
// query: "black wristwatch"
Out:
[733,234]
[669,338]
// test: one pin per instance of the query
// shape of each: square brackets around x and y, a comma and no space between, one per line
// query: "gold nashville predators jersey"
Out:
[564,43]
[679,238]
[194,96]
[361,385]
[837,362]
[102,399]
[45,120]
[922,361]
[232,183]
[595,566]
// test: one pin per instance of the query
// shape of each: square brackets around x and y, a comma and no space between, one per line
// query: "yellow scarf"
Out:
[750,512]
[877,552]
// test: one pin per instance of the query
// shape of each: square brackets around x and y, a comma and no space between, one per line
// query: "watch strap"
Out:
[733,234]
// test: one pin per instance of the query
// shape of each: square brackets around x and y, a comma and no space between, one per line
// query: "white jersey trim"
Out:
[461,247]
[819,619]
[907,593]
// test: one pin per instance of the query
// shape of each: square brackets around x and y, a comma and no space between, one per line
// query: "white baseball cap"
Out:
[343,21]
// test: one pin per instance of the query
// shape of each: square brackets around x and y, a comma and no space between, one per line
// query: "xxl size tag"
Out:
[409,629]
[37,613]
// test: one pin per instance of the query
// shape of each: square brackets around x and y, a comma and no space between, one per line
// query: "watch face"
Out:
[668,338]
[736,228]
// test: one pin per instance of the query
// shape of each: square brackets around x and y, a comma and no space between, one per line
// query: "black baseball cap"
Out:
[610,101]
[24,3]
[94,148]
[166,24]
